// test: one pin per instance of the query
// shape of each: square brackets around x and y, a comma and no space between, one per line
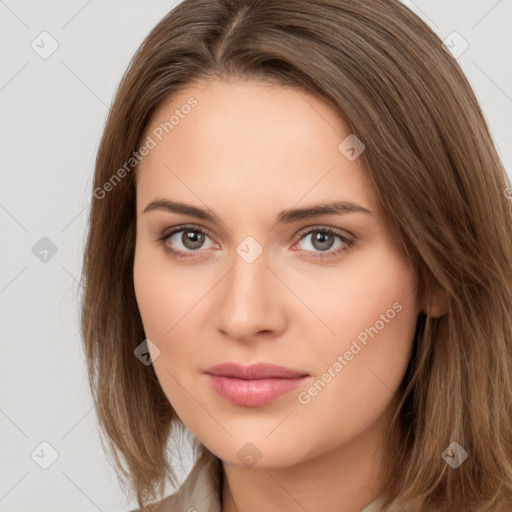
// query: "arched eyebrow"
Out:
[283,217]
[309,212]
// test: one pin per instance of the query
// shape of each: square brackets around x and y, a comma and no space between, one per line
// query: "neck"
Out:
[344,479]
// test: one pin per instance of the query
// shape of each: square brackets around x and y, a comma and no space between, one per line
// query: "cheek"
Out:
[162,293]
[157,299]
[156,294]
[147,294]
[360,371]
[373,319]
[169,307]
[348,301]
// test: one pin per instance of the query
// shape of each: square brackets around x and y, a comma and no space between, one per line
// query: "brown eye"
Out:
[184,241]
[322,241]
[192,239]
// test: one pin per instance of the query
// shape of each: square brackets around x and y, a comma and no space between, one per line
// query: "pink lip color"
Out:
[255,385]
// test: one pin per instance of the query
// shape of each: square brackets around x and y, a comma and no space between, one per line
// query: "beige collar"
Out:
[201,490]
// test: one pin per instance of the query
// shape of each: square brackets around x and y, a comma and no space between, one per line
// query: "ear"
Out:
[437,305]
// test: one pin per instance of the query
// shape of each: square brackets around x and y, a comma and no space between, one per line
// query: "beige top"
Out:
[200,492]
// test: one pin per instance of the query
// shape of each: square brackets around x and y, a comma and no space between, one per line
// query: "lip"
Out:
[254,385]
[254,371]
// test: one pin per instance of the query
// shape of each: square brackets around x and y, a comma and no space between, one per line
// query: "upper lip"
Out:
[254,371]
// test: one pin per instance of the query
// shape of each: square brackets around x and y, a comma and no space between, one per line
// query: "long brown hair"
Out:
[440,180]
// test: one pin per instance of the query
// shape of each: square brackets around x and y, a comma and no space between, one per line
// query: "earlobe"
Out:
[438,304]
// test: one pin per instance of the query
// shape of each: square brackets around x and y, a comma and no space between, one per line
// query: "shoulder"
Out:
[201,490]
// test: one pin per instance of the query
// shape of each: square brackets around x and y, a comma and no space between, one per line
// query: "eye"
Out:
[192,239]
[189,237]
[323,239]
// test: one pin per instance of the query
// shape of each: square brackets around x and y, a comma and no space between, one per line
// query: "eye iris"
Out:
[192,239]
[324,239]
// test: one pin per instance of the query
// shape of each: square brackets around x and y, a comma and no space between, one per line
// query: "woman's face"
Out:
[264,278]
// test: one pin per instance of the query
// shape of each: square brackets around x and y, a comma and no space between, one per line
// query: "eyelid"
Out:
[348,240]
[303,231]
[181,227]
[324,227]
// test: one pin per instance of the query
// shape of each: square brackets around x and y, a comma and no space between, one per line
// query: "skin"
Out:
[247,151]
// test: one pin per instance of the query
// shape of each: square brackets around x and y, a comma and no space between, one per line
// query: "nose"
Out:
[251,301]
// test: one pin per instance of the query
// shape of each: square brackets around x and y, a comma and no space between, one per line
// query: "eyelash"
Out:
[320,229]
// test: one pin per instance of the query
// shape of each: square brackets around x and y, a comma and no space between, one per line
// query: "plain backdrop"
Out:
[52,113]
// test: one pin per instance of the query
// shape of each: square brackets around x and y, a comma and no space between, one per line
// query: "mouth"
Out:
[255,385]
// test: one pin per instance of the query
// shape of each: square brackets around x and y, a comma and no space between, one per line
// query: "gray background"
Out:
[52,113]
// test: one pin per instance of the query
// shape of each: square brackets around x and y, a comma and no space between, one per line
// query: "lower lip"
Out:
[253,393]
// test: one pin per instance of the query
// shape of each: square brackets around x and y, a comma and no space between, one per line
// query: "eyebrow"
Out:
[284,217]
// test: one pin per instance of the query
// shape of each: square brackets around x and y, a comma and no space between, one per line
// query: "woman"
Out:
[300,252]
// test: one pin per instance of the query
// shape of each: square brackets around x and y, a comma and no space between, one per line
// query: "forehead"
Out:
[243,105]
[248,139]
